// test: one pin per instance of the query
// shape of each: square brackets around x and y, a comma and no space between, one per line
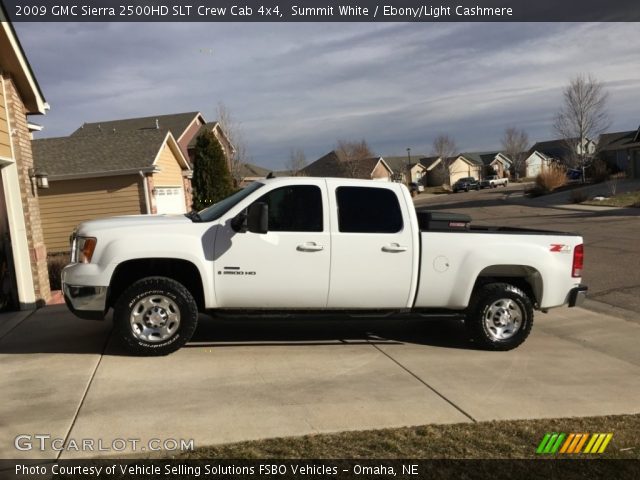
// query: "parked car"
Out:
[466,184]
[416,188]
[493,181]
[304,245]
[574,174]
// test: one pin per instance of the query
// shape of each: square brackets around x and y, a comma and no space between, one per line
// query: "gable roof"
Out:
[102,155]
[250,170]
[541,155]
[176,123]
[484,158]
[330,165]
[399,164]
[429,162]
[619,140]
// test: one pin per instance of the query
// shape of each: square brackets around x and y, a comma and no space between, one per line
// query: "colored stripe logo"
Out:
[574,443]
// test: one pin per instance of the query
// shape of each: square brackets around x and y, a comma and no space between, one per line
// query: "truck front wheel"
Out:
[500,316]
[155,316]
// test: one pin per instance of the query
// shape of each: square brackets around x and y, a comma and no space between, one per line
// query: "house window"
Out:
[296,208]
[368,210]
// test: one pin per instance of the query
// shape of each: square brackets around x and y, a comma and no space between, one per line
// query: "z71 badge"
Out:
[558,247]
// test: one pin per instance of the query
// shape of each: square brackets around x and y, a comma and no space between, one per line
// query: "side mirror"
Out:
[258,218]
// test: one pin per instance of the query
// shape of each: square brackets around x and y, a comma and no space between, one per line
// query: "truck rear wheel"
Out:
[500,316]
[155,316]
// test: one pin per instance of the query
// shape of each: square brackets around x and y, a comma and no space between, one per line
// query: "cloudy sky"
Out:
[304,86]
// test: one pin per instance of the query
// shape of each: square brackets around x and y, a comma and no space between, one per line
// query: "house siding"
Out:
[460,169]
[5,141]
[69,202]
[381,173]
[17,115]
[170,173]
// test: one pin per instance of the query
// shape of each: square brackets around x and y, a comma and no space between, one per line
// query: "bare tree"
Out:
[515,143]
[232,129]
[583,116]
[444,147]
[297,161]
[350,154]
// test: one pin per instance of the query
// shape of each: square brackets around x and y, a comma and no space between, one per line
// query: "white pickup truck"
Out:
[494,181]
[316,245]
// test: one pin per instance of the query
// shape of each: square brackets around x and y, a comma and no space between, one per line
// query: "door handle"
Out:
[310,247]
[394,248]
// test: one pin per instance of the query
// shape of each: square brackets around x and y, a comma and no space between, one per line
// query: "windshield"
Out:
[216,210]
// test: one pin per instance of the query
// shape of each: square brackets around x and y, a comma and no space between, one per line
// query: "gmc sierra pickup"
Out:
[309,245]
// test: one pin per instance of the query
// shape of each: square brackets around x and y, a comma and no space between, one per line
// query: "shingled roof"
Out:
[98,155]
[176,123]
[484,158]
[330,165]
[619,140]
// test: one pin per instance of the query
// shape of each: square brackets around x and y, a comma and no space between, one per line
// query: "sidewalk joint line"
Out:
[424,383]
[84,395]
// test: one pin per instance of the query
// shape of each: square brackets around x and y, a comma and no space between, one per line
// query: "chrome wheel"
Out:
[503,319]
[154,318]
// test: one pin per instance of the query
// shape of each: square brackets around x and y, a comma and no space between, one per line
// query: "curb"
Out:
[614,311]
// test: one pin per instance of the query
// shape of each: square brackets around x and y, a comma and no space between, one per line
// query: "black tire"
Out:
[492,304]
[156,299]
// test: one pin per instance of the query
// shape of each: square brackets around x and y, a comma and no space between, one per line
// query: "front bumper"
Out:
[86,302]
[577,295]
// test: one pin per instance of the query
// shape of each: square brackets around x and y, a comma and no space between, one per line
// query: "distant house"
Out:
[564,151]
[403,171]
[185,128]
[536,163]
[495,163]
[250,173]
[331,165]
[24,281]
[621,151]
[459,167]
[93,176]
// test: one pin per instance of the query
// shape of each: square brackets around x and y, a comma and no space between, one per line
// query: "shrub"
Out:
[55,263]
[551,178]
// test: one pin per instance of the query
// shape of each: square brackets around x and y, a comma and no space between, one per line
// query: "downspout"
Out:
[145,187]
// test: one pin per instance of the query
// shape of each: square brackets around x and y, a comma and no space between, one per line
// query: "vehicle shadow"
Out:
[54,330]
[240,332]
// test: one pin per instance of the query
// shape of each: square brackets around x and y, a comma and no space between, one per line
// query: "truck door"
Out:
[372,248]
[286,268]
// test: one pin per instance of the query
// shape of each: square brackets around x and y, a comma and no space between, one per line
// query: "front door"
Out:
[286,268]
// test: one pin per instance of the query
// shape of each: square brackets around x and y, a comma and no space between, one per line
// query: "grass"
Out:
[513,439]
[630,199]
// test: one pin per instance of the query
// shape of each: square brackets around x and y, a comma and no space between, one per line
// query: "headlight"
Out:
[82,249]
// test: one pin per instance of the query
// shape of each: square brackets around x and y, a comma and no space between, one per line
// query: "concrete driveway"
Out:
[248,379]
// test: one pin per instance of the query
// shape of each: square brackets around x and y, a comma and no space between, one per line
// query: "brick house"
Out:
[23,256]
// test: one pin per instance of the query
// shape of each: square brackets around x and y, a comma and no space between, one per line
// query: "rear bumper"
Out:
[86,302]
[577,295]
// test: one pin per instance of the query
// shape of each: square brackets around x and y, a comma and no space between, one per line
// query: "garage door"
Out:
[169,200]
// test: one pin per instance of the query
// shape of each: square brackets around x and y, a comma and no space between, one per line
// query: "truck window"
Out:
[295,208]
[368,210]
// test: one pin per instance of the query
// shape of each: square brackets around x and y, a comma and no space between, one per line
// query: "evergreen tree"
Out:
[211,180]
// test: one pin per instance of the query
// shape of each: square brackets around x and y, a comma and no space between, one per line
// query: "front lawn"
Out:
[629,199]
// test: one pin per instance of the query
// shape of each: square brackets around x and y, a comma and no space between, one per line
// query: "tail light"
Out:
[578,260]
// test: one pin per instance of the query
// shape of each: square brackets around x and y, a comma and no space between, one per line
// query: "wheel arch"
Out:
[526,278]
[180,270]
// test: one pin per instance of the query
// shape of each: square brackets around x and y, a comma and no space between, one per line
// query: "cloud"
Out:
[304,85]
